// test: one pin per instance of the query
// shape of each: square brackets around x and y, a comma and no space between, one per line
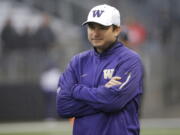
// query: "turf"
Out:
[160,131]
[65,128]
[42,133]
[68,132]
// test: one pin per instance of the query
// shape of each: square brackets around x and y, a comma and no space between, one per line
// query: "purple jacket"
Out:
[99,110]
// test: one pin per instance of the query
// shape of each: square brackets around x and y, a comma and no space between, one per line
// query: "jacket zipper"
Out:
[96,72]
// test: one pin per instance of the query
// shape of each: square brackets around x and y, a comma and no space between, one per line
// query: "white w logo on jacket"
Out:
[108,73]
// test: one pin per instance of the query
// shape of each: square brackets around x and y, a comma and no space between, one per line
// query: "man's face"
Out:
[101,37]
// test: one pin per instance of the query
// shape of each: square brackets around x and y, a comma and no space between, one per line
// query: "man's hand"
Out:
[114,81]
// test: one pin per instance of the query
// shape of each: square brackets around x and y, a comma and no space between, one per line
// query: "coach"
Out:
[102,87]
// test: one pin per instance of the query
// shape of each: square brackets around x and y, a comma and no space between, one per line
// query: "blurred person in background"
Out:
[25,39]
[44,35]
[133,34]
[123,36]
[26,47]
[48,82]
[9,38]
[102,87]
[136,34]
[44,40]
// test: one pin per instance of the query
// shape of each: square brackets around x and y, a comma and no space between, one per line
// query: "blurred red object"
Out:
[136,34]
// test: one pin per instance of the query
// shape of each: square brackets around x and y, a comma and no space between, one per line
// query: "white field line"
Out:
[35,127]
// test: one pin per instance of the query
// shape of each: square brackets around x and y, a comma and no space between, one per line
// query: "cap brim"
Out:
[86,22]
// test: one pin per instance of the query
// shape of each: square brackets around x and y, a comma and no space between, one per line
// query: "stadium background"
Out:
[153,28]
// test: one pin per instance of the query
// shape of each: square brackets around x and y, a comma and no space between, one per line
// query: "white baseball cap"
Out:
[104,14]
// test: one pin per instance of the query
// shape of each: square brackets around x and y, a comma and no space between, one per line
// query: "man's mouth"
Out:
[97,39]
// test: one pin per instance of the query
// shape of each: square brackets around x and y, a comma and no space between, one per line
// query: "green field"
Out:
[64,128]
[160,131]
[143,132]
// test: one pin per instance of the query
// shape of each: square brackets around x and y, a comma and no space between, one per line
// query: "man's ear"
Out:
[117,31]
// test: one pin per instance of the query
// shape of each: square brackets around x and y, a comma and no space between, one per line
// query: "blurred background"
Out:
[39,37]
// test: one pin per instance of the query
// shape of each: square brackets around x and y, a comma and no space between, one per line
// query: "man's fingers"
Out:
[116,78]
[115,82]
[112,83]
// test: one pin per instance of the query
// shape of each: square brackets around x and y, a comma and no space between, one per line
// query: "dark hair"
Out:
[114,27]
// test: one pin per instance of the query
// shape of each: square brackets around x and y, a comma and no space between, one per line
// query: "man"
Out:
[48,82]
[101,87]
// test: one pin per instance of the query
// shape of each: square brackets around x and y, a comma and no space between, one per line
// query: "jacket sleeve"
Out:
[66,105]
[116,97]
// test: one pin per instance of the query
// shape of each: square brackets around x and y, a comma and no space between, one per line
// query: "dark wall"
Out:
[21,102]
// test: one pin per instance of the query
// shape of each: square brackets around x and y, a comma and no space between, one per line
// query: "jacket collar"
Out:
[112,49]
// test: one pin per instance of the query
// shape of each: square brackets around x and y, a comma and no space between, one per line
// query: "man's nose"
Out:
[96,31]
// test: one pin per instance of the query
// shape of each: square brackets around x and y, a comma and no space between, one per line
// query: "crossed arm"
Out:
[68,106]
[77,100]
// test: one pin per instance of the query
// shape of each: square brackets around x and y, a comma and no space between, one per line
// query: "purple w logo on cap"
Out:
[97,13]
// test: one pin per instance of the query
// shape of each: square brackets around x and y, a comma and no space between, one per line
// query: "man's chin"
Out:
[97,45]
